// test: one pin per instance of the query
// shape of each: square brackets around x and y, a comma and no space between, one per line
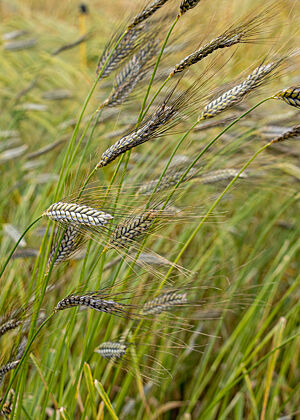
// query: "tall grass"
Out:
[226,346]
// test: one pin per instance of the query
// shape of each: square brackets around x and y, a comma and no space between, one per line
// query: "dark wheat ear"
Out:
[289,134]
[133,228]
[146,13]
[290,95]
[70,243]
[243,33]
[187,5]
[125,48]
[132,73]
[9,325]
[258,77]
[167,115]
[96,302]
[7,368]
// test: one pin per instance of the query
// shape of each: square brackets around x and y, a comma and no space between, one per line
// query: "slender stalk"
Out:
[208,146]
[23,358]
[196,230]
[155,95]
[155,69]
[17,244]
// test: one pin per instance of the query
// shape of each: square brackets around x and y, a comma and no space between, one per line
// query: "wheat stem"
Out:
[155,95]
[23,358]
[17,244]
[196,230]
[208,146]
[155,69]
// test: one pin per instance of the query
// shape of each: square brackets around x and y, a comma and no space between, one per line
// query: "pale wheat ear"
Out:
[165,302]
[170,179]
[291,96]
[77,214]
[112,350]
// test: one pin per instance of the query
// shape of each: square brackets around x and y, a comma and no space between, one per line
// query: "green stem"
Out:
[196,230]
[17,244]
[155,96]
[76,129]
[208,146]
[155,69]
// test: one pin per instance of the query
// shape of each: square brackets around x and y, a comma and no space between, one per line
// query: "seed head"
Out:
[169,180]
[126,46]
[168,114]
[147,12]
[7,368]
[133,228]
[77,214]
[165,302]
[290,95]
[242,33]
[289,134]
[187,5]
[259,76]
[70,243]
[93,301]
[220,175]
[10,325]
[132,73]
[112,350]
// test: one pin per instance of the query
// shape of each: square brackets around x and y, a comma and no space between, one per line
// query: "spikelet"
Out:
[94,301]
[134,72]
[133,228]
[112,350]
[169,180]
[147,12]
[7,368]
[289,134]
[7,406]
[243,33]
[164,302]
[168,114]
[290,95]
[117,352]
[259,76]
[220,175]
[10,325]
[126,46]
[71,241]
[187,5]
[77,214]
